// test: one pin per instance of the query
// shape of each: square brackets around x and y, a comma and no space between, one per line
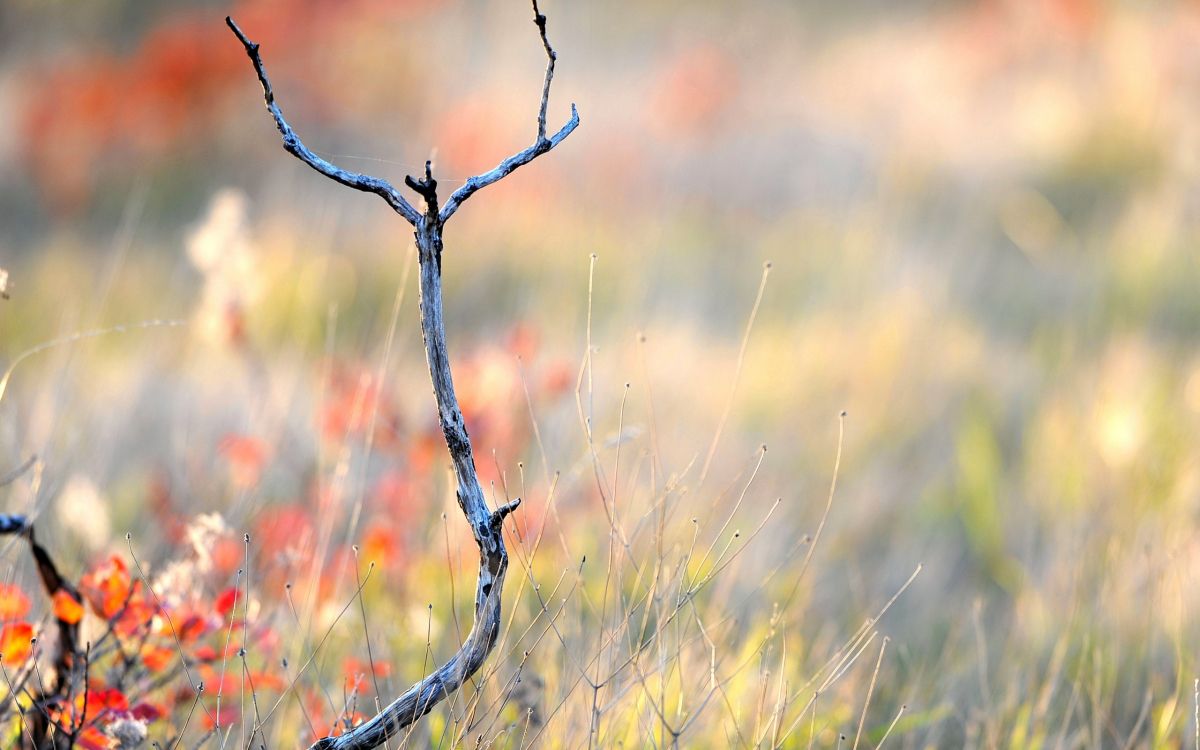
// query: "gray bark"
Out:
[486,525]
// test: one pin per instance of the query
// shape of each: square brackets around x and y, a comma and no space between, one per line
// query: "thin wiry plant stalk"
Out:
[737,374]
[862,719]
[891,726]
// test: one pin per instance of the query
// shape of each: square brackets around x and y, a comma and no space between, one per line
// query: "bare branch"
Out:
[551,58]
[539,147]
[294,146]
[487,526]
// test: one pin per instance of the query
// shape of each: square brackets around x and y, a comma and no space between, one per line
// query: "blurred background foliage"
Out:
[983,220]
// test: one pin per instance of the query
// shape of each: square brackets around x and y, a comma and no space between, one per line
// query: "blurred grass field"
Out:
[982,226]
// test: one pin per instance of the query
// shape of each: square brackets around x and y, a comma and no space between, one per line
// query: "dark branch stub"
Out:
[486,525]
[425,187]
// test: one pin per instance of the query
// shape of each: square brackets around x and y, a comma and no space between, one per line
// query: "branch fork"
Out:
[486,525]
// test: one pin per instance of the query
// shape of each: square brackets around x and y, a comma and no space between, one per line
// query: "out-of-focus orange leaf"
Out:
[228,554]
[284,527]
[341,726]
[108,587]
[102,699]
[16,643]
[157,658]
[379,546]
[191,627]
[695,89]
[246,456]
[67,608]
[205,653]
[268,681]
[352,667]
[558,378]
[356,673]
[393,493]
[14,604]
[218,679]
[523,341]
[354,404]
[91,738]
[136,615]
[227,716]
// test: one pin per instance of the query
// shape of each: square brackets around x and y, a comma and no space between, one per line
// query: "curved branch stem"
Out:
[294,146]
[540,146]
[486,525]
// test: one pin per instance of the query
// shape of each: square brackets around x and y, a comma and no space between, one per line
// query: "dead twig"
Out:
[486,525]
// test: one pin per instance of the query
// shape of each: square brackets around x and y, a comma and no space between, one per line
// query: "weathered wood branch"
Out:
[540,146]
[294,146]
[486,525]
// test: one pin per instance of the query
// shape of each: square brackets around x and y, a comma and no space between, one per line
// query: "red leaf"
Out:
[227,601]
[146,712]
